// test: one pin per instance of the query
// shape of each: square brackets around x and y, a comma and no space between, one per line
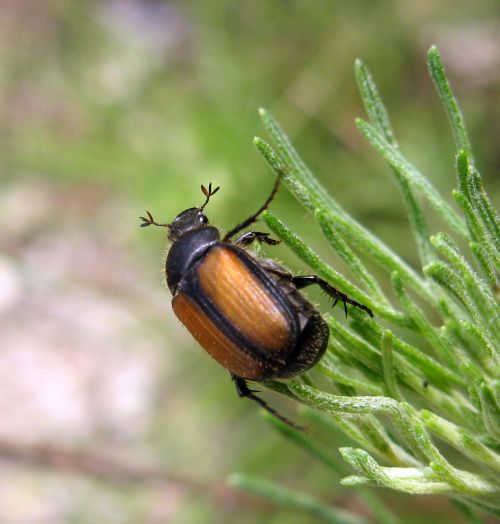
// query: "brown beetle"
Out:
[247,312]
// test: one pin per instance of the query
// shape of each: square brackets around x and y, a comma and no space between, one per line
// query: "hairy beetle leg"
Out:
[247,238]
[309,280]
[245,392]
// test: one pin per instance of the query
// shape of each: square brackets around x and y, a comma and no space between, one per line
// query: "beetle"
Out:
[245,311]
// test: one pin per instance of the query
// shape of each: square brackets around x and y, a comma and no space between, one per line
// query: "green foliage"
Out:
[427,364]
[294,500]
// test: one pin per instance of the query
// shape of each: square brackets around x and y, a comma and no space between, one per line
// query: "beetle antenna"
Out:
[150,221]
[208,193]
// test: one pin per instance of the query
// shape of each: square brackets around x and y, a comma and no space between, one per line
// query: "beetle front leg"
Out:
[252,219]
[332,292]
[245,392]
[250,236]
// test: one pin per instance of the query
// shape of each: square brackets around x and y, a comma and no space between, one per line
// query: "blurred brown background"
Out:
[109,411]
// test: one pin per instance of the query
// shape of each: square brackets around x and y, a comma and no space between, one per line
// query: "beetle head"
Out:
[188,220]
[192,218]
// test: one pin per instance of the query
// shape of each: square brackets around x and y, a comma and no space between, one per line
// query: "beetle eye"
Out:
[203,219]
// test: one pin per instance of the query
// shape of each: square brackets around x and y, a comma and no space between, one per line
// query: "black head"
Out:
[189,220]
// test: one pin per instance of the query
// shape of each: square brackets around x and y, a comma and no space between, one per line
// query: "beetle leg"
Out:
[245,392]
[309,280]
[255,216]
[250,236]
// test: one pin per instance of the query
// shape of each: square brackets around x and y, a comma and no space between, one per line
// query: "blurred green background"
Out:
[109,410]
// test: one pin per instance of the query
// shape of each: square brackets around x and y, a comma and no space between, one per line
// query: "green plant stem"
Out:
[294,500]
[449,101]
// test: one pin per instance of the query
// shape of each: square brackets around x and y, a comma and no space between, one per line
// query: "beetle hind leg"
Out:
[334,293]
[245,392]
